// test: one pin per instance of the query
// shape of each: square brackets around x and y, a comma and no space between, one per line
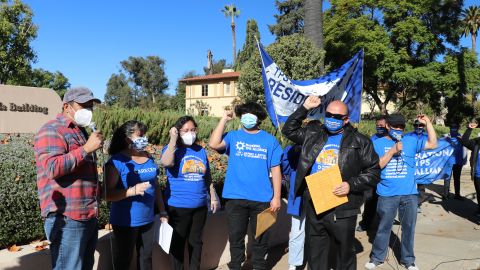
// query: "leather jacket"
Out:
[474,145]
[357,159]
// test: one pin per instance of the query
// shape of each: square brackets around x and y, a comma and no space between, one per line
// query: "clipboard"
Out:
[265,220]
[321,185]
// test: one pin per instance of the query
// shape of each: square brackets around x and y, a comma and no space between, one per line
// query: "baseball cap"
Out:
[79,95]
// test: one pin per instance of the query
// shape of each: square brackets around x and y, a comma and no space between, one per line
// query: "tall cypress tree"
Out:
[250,45]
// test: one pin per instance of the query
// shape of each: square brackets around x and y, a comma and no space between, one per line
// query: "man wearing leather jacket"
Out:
[324,145]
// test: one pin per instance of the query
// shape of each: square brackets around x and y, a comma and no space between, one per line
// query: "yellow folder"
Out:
[265,220]
[321,185]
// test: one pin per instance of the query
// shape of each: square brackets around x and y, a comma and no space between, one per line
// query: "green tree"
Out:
[147,76]
[17,31]
[290,19]
[119,93]
[44,78]
[401,40]
[250,45]
[217,67]
[178,102]
[296,56]
[231,11]
[471,23]
[314,23]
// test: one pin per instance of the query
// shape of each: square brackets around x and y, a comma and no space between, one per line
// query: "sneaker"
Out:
[372,265]
[292,267]
[412,267]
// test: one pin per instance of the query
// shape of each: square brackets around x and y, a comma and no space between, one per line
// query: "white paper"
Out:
[165,236]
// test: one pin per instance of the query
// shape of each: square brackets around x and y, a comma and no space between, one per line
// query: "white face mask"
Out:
[83,117]
[189,138]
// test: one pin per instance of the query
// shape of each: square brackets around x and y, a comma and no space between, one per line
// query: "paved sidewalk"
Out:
[447,235]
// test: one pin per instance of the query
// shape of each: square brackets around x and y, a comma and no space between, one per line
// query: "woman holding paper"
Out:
[189,180]
[131,185]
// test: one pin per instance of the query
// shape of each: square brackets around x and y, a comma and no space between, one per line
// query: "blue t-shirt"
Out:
[458,148]
[329,154]
[186,186]
[250,158]
[375,136]
[398,177]
[136,210]
[290,159]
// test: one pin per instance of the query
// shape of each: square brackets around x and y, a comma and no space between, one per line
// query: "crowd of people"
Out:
[378,172]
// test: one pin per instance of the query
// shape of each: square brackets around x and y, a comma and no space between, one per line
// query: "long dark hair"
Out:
[179,124]
[120,135]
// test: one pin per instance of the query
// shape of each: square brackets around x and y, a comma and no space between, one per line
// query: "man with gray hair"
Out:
[67,181]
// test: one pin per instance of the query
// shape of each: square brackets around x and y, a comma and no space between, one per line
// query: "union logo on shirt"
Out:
[328,157]
[193,166]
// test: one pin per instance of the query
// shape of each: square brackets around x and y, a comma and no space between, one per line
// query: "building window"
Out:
[227,89]
[204,90]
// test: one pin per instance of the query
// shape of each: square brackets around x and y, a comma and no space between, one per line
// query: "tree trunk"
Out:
[474,42]
[313,19]
[234,42]
[153,98]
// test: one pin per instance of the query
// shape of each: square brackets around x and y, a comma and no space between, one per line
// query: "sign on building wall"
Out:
[25,109]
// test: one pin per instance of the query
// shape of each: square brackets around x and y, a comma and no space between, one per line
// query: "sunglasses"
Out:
[335,116]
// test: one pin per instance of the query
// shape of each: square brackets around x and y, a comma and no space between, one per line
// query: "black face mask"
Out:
[382,131]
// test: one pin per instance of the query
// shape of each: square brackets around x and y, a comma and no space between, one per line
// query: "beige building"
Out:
[210,94]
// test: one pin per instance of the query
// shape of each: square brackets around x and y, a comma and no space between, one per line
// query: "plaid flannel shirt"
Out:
[67,178]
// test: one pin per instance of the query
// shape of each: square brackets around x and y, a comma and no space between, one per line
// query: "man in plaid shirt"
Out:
[67,181]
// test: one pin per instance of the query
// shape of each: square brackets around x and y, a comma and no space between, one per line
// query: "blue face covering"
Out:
[139,143]
[249,120]
[419,130]
[382,131]
[396,135]
[333,125]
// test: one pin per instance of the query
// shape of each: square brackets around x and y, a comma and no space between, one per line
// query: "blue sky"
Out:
[86,40]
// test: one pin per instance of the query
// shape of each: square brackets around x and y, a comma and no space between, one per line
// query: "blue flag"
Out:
[435,164]
[283,96]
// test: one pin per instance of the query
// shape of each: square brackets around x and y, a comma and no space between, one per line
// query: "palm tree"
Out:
[313,19]
[471,23]
[232,12]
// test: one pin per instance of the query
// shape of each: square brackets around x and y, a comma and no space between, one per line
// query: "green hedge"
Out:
[19,208]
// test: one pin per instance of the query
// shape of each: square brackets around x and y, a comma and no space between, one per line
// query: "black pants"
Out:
[369,209]
[422,195]
[187,224]
[320,231]
[126,239]
[240,212]
[476,184]
[456,172]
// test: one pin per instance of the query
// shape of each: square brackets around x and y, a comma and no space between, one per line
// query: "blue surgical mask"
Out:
[139,143]
[333,125]
[419,130]
[396,135]
[249,120]
[382,131]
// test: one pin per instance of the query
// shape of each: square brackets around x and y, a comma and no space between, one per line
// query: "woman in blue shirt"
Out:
[188,174]
[131,185]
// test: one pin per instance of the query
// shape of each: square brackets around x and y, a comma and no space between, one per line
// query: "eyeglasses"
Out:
[335,116]
[188,130]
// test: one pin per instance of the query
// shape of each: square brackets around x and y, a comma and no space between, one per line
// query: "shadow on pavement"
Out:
[463,208]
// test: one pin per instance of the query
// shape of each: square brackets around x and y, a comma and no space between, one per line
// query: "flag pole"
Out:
[269,91]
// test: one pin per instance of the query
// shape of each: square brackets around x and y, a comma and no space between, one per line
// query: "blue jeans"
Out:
[73,242]
[387,208]
[296,242]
